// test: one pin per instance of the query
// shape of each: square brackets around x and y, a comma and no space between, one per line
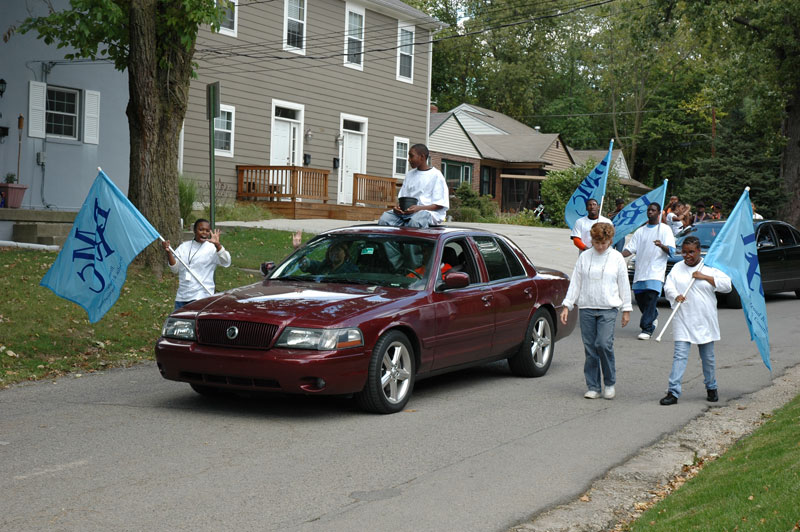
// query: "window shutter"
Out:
[91,117]
[37,108]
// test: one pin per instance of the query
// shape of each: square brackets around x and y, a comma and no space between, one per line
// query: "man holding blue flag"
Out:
[107,235]
[634,215]
[592,187]
[652,244]
[581,232]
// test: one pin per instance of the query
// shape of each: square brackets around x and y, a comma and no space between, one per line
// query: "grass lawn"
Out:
[755,485]
[43,336]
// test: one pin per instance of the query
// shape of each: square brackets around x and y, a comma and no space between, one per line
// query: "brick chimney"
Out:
[434,108]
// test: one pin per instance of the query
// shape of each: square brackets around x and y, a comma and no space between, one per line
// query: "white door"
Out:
[352,163]
[284,143]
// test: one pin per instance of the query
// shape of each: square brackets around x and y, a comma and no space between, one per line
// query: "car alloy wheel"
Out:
[536,352]
[390,377]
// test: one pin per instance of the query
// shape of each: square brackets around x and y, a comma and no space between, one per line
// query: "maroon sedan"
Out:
[368,310]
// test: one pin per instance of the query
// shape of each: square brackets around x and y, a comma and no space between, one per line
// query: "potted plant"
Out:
[12,192]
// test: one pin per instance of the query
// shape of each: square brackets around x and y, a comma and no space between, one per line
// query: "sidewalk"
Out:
[546,246]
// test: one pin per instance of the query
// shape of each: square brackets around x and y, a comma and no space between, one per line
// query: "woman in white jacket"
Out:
[600,287]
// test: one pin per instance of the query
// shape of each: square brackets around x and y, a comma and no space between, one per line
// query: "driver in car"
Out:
[337,260]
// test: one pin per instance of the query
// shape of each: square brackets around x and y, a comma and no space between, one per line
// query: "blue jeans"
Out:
[681,357]
[597,333]
[647,301]
[179,304]
[418,219]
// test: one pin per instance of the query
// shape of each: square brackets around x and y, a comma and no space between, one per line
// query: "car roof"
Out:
[434,232]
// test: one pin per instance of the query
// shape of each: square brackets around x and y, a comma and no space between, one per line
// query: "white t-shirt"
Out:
[430,188]
[651,261]
[599,281]
[696,320]
[202,259]
[584,225]
[674,223]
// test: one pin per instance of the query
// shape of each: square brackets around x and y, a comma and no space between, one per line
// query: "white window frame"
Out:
[286,46]
[232,110]
[228,31]
[465,168]
[395,157]
[358,10]
[301,109]
[77,114]
[401,27]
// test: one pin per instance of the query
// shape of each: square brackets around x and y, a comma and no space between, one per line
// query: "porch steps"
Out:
[48,233]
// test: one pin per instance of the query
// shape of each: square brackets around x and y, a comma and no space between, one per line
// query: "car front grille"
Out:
[249,335]
[247,382]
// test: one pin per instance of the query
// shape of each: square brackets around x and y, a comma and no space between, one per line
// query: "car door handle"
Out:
[487,300]
[528,292]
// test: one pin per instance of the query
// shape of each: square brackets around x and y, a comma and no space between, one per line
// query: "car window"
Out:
[784,235]
[511,258]
[493,257]
[361,259]
[765,237]
[796,234]
[458,256]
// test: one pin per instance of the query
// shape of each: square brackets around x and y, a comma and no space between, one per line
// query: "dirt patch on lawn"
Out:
[629,489]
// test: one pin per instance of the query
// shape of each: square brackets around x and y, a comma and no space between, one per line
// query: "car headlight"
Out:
[179,328]
[320,339]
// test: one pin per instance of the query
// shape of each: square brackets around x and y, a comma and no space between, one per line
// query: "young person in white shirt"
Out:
[599,286]
[696,321]
[427,185]
[652,244]
[580,235]
[202,255]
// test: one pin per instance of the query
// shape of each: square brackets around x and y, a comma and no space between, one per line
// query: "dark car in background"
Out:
[778,245]
[368,310]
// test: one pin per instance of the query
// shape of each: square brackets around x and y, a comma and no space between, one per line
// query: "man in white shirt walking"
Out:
[581,235]
[652,244]
[427,185]
[696,321]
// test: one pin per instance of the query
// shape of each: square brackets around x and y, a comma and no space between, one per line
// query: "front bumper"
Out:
[277,370]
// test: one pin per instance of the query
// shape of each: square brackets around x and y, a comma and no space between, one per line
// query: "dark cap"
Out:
[619,201]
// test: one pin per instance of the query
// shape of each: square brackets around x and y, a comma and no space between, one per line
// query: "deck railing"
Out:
[374,191]
[281,183]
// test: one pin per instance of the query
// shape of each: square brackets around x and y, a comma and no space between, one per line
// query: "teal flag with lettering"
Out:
[634,215]
[593,187]
[107,235]
[734,252]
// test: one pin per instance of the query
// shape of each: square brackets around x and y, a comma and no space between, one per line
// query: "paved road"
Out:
[476,450]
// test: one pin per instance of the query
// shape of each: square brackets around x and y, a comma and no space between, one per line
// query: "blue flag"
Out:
[734,252]
[107,235]
[593,187]
[635,213]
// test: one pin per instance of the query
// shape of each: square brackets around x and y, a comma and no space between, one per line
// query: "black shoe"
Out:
[712,395]
[669,399]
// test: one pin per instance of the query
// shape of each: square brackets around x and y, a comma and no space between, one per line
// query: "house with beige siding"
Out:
[320,101]
[496,154]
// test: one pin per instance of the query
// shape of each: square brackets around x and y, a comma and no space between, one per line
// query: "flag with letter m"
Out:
[634,214]
[593,187]
[107,235]
[734,252]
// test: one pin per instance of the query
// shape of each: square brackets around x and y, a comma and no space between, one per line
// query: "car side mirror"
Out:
[267,267]
[456,280]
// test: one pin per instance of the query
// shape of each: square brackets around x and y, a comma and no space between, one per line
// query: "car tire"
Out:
[390,376]
[732,299]
[536,352]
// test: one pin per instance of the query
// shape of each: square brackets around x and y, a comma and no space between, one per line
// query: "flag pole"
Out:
[691,283]
[605,181]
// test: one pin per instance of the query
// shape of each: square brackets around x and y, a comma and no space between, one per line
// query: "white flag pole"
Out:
[605,183]
[691,283]
[196,278]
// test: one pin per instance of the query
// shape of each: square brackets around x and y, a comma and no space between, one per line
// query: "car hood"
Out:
[299,303]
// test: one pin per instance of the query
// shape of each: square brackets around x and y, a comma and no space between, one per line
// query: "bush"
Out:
[469,206]
[468,214]
[187,194]
[523,217]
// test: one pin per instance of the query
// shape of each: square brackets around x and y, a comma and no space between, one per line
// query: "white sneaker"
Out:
[643,336]
[655,323]
[609,392]
[591,394]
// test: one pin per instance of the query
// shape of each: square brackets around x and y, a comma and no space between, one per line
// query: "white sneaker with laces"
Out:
[609,392]
[591,394]
[643,336]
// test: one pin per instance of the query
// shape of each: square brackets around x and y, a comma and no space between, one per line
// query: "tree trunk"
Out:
[790,161]
[156,108]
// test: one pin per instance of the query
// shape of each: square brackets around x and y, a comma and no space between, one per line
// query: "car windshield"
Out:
[361,259]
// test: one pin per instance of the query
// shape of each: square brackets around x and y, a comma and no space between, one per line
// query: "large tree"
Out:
[154,40]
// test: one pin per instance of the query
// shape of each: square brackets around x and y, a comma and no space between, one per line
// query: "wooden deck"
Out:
[298,192]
